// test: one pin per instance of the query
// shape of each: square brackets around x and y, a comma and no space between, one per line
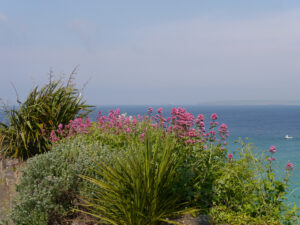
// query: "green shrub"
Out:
[248,191]
[29,127]
[50,185]
[138,186]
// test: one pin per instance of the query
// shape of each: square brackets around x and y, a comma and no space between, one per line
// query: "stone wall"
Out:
[9,173]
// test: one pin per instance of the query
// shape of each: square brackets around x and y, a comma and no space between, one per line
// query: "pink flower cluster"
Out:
[223,131]
[74,127]
[180,122]
[290,166]
[53,136]
[214,117]
[118,123]
[188,128]
[230,157]
[273,150]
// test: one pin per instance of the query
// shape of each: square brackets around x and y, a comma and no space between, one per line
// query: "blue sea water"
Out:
[262,125]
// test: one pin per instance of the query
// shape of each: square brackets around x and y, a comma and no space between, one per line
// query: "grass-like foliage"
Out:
[29,127]
[138,185]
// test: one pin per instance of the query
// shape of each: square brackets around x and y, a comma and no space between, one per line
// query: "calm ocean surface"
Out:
[262,125]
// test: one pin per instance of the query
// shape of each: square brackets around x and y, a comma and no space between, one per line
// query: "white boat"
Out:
[288,137]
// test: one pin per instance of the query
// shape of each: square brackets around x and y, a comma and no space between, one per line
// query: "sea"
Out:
[262,126]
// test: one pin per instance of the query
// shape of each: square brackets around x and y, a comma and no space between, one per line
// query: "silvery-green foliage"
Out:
[50,182]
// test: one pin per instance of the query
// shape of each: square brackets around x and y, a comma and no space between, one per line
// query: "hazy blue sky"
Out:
[154,52]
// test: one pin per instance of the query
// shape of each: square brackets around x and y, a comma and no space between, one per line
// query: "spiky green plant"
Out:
[28,130]
[138,185]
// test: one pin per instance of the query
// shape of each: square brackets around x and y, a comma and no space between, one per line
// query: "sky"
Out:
[154,52]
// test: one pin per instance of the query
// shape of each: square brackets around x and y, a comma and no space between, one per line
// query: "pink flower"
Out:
[192,134]
[150,110]
[230,157]
[290,166]
[159,110]
[223,128]
[88,122]
[142,135]
[272,149]
[271,159]
[190,141]
[174,111]
[53,136]
[117,112]
[60,126]
[134,121]
[214,116]
[200,118]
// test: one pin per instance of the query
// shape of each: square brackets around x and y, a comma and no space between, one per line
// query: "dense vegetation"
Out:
[149,170]
[30,124]
[135,170]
